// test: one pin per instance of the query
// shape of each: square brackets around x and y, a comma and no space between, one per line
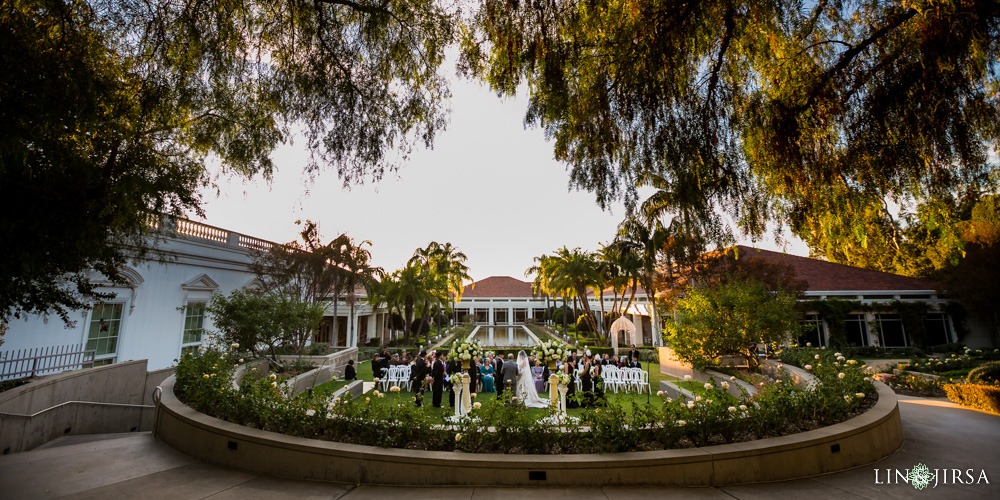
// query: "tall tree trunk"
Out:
[581,293]
[407,319]
[604,330]
[336,302]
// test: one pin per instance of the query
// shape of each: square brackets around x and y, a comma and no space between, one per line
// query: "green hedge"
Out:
[983,397]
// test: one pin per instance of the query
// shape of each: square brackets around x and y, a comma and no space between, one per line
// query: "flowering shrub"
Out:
[504,426]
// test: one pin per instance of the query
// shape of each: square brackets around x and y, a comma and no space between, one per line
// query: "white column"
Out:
[371,325]
[489,315]
[510,315]
[637,323]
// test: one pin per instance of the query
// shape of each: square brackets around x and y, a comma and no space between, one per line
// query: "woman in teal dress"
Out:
[486,375]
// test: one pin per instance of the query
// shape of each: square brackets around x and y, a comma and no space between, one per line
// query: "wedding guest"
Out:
[417,376]
[453,370]
[569,368]
[350,373]
[598,382]
[474,368]
[606,360]
[437,386]
[635,363]
[395,360]
[486,375]
[537,372]
[633,353]
[498,373]
[383,365]
[587,382]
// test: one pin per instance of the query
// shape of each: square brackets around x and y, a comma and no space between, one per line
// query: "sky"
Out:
[489,186]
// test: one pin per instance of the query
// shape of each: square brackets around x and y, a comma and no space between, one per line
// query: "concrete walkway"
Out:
[938,434]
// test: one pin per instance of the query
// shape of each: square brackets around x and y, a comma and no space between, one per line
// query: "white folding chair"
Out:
[389,375]
[403,377]
[610,376]
[642,381]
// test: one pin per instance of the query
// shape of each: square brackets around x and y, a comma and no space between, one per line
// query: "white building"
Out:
[161,314]
[502,300]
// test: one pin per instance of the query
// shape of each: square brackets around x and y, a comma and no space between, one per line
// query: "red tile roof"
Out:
[498,286]
[824,276]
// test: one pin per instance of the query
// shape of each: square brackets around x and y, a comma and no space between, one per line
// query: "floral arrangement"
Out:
[464,350]
[564,379]
[550,351]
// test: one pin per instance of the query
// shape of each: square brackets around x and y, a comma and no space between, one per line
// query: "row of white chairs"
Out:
[625,379]
[396,376]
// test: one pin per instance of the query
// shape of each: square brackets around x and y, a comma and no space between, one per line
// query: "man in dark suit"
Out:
[497,368]
[417,375]
[635,363]
[509,374]
[453,367]
[437,387]
[633,353]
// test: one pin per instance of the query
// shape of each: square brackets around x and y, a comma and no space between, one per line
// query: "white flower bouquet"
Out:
[550,352]
[564,379]
[465,350]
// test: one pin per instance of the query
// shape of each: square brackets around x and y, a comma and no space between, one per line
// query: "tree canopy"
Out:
[825,116]
[112,112]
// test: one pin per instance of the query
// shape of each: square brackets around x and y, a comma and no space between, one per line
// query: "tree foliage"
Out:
[424,286]
[261,322]
[730,318]
[111,112]
[821,115]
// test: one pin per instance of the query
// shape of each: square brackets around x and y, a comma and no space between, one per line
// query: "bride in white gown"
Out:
[526,384]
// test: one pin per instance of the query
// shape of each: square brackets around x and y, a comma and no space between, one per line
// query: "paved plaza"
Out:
[938,433]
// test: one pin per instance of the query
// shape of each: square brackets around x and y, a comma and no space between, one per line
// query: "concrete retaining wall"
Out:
[862,440]
[106,399]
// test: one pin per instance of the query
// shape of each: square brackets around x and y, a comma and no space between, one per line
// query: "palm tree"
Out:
[359,271]
[577,270]
[405,290]
[445,266]
[645,237]
[540,285]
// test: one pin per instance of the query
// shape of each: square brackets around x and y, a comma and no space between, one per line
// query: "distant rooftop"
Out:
[824,276]
[498,286]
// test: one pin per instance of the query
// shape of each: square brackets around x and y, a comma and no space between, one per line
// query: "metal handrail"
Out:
[96,403]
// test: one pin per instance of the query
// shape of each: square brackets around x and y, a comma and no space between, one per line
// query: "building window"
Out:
[482,315]
[104,331]
[194,327]
[891,332]
[520,316]
[812,331]
[500,316]
[938,329]
[857,330]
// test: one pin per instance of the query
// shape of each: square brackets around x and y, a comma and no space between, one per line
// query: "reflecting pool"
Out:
[503,336]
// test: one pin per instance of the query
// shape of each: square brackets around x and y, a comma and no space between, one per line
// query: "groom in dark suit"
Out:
[509,375]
